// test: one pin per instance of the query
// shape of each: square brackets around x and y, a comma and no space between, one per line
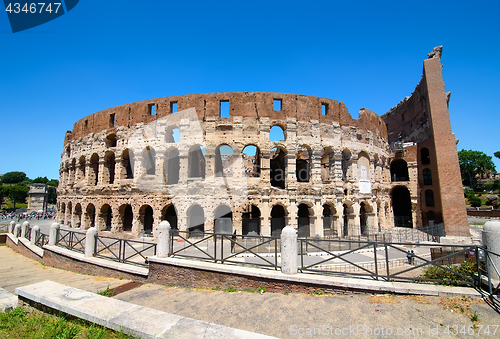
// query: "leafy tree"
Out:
[40,180]
[497,154]
[52,197]
[13,177]
[475,201]
[472,164]
[17,193]
[3,194]
[53,182]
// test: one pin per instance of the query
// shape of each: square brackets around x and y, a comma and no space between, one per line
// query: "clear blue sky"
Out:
[364,53]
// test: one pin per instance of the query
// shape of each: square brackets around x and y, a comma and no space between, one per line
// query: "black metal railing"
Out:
[41,239]
[71,240]
[123,250]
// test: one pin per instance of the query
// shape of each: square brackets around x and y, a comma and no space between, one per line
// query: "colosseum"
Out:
[255,162]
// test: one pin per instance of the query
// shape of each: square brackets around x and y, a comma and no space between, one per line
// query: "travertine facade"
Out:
[185,160]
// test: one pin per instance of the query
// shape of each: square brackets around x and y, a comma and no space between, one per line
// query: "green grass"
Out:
[467,268]
[106,293]
[22,324]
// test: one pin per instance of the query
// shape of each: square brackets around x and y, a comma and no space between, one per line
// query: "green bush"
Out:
[475,201]
[467,268]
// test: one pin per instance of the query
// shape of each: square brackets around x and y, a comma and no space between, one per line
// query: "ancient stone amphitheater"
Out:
[251,163]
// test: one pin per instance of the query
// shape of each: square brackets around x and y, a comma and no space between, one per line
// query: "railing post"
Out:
[24,227]
[53,234]
[90,242]
[163,247]
[491,235]
[375,258]
[289,250]
[221,249]
[387,260]
[16,230]
[215,248]
[34,232]
[276,253]
[11,227]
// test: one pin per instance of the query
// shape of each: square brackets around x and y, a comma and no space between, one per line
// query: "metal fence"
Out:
[227,248]
[123,250]
[71,240]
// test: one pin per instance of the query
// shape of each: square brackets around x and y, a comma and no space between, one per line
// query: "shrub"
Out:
[475,201]
[467,268]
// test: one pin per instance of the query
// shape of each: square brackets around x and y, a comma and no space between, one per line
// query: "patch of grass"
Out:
[21,323]
[261,289]
[216,288]
[287,292]
[107,292]
[317,292]
[120,278]
[230,289]
[474,317]
[250,291]
[467,268]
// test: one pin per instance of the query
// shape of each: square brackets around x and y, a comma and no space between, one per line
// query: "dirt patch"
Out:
[461,305]
[417,298]
[383,299]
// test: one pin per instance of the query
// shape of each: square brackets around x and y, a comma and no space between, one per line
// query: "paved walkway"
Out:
[277,314]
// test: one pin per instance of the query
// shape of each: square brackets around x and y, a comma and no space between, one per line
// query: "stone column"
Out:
[265,218]
[292,215]
[17,229]
[315,167]
[24,228]
[116,224]
[289,253]
[53,233]
[101,175]
[90,242]
[163,248]
[318,220]
[237,222]
[356,227]
[156,221]
[34,232]
[12,225]
[339,209]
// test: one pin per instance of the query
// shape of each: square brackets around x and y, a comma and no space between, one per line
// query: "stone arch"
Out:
[149,160]
[82,165]
[77,216]
[68,151]
[70,212]
[172,166]
[169,213]
[109,165]
[196,220]
[327,164]
[278,220]
[223,220]
[346,164]
[127,171]
[348,213]
[111,140]
[399,170]
[401,207]
[223,160]
[94,169]
[106,216]
[303,220]
[127,217]
[278,167]
[172,134]
[251,160]
[90,215]
[63,213]
[196,162]
[303,163]
[251,221]
[329,212]
[277,132]
[364,209]
[146,219]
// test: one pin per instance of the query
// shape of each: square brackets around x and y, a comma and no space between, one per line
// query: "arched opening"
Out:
[149,160]
[346,164]
[327,164]
[109,164]
[401,206]
[223,159]
[328,221]
[303,164]
[106,216]
[68,151]
[196,220]
[72,172]
[127,217]
[251,221]
[70,211]
[146,218]
[363,219]
[173,135]
[127,165]
[94,167]
[81,168]
[111,140]
[172,166]
[347,212]
[399,170]
[431,218]
[90,215]
[425,156]
[276,134]
[303,221]
[429,198]
[196,162]
[77,216]
[251,161]
[63,212]
[278,167]
[277,220]
[223,220]
[170,214]
[427,174]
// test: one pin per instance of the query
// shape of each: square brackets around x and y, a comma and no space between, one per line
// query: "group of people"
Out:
[26,216]
[411,257]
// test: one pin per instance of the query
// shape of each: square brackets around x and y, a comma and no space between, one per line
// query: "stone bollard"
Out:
[17,229]
[289,250]
[163,248]
[491,239]
[53,233]
[90,242]
[24,228]
[11,227]
[34,231]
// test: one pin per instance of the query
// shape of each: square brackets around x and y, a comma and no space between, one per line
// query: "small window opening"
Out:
[277,105]
[86,123]
[173,107]
[224,109]
[152,108]
[112,120]
[276,134]
[402,117]
[324,109]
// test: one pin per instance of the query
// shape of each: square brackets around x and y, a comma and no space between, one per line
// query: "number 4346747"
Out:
[33,7]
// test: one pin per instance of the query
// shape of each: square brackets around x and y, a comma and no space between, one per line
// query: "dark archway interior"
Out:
[196,219]
[128,217]
[173,167]
[251,221]
[170,215]
[303,222]
[399,170]
[148,220]
[362,219]
[278,169]
[223,222]
[107,216]
[277,220]
[401,205]
[196,163]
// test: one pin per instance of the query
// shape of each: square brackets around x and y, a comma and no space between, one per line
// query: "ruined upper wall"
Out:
[249,105]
